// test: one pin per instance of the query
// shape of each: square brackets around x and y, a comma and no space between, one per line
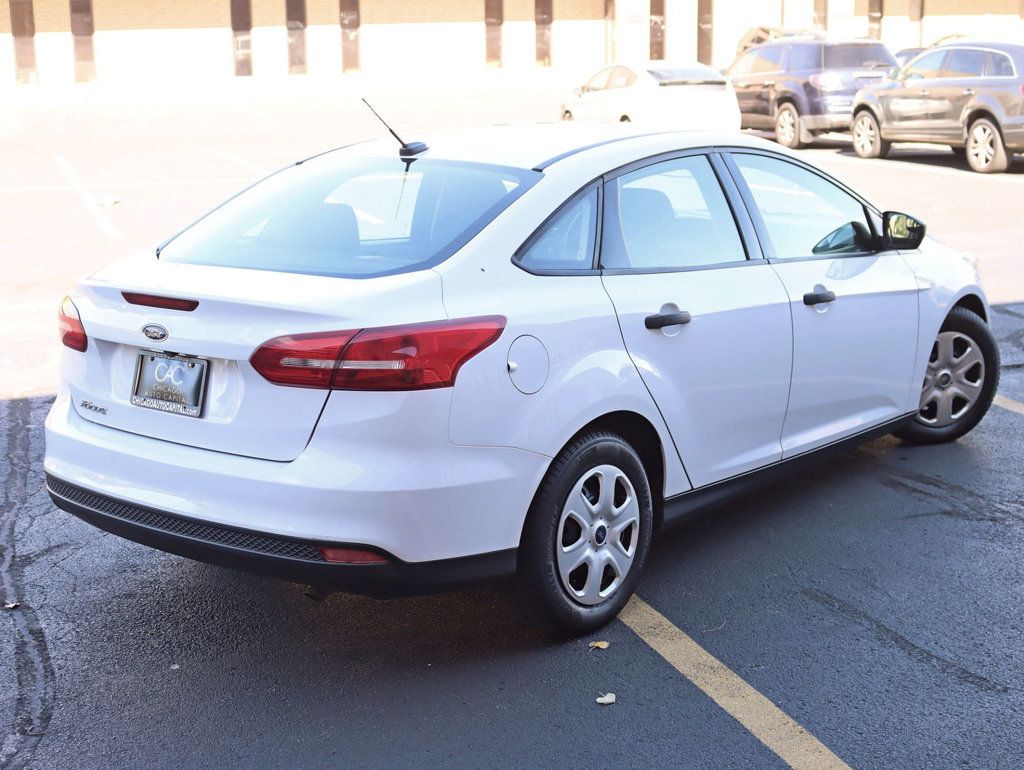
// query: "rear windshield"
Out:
[686,75]
[867,55]
[352,217]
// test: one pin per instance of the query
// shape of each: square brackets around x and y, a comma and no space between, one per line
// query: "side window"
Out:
[669,215]
[621,77]
[804,57]
[998,65]
[567,240]
[805,214]
[769,59]
[744,65]
[600,81]
[964,63]
[928,66]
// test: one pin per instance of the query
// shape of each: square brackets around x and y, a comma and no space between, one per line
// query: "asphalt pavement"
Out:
[876,600]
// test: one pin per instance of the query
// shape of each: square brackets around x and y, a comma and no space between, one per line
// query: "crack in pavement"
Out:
[35,675]
[915,651]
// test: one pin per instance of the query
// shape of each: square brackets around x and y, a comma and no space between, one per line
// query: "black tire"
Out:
[988,155]
[787,126]
[962,321]
[624,119]
[867,136]
[960,152]
[541,599]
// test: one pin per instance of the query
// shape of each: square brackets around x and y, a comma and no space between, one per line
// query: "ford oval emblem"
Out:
[154,332]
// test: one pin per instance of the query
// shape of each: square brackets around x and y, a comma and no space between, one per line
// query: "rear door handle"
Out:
[768,83]
[661,320]
[819,297]
[969,92]
[924,92]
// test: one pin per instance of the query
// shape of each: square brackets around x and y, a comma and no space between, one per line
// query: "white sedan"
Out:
[521,352]
[679,96]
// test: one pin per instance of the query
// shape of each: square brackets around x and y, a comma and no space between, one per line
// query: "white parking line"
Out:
[1008,404]
[90,203]
[765,721]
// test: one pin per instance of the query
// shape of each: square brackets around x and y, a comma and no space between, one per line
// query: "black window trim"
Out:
[767,247]
[592,185]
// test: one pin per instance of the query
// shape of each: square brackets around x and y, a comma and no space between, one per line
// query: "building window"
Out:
[821,14]
[542,14]
[705,28]
[875,12]
[23,27]
[349,35]
[494,17]
[295,13]
[241,29]
[82,28]
[657,42]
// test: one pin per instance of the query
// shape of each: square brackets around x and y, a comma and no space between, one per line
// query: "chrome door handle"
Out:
[969,92]
[740,84]
[924,92]
[768,83]
[819,297]
[661,320]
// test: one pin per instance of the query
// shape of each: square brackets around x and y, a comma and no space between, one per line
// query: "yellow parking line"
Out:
[765,721]
[1008,403]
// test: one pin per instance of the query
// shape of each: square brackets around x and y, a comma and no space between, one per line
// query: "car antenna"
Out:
[408,150]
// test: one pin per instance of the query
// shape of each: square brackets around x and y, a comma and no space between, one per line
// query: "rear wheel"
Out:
[624,119]
[586,536]
[986,153]
[959,383]
[787,126]
[867,136]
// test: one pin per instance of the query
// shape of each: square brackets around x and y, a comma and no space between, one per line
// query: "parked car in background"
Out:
[678,95]
[967,95]
[521,351]
[757,35]
[905,55]
[802,87]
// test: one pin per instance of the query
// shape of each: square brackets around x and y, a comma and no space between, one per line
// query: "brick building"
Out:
[61,41]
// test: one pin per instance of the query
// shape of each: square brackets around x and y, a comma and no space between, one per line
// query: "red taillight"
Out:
[351,556]
[69,325]
[827,81]
[167,303]
[301,360]
[413,357]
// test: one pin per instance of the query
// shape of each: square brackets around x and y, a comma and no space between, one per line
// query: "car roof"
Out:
[1012,48]
[539,145]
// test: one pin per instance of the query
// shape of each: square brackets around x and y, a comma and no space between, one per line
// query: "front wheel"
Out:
[959,383]
[867,136]
[586,536]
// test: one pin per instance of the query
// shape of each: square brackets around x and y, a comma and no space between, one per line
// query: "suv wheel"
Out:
[586,536]
[787,126]
[986,153]
[867,136]
[960,382]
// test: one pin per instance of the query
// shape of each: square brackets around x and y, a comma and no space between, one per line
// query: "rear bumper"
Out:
[290,559]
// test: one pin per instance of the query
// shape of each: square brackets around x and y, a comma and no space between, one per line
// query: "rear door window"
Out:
[998,65]
[352,217]
[669,216]
[803,57]
[964,63]
[566,241]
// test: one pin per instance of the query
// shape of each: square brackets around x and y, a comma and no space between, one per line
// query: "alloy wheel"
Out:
[864,135]
[598,532]
[786,126]
[981,145]
[954,380]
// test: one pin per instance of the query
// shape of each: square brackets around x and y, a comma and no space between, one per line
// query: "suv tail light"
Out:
[412,357]
[827,81]
[69,325]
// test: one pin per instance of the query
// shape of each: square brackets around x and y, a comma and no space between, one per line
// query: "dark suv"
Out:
[803,86]
[967,95]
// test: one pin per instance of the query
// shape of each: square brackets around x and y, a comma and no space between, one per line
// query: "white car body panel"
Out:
[852,358]
[451,472]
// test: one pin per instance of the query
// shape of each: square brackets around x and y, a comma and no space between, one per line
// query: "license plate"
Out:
[170,383]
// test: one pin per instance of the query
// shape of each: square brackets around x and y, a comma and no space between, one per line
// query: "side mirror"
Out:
[901,231]
[893,73]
